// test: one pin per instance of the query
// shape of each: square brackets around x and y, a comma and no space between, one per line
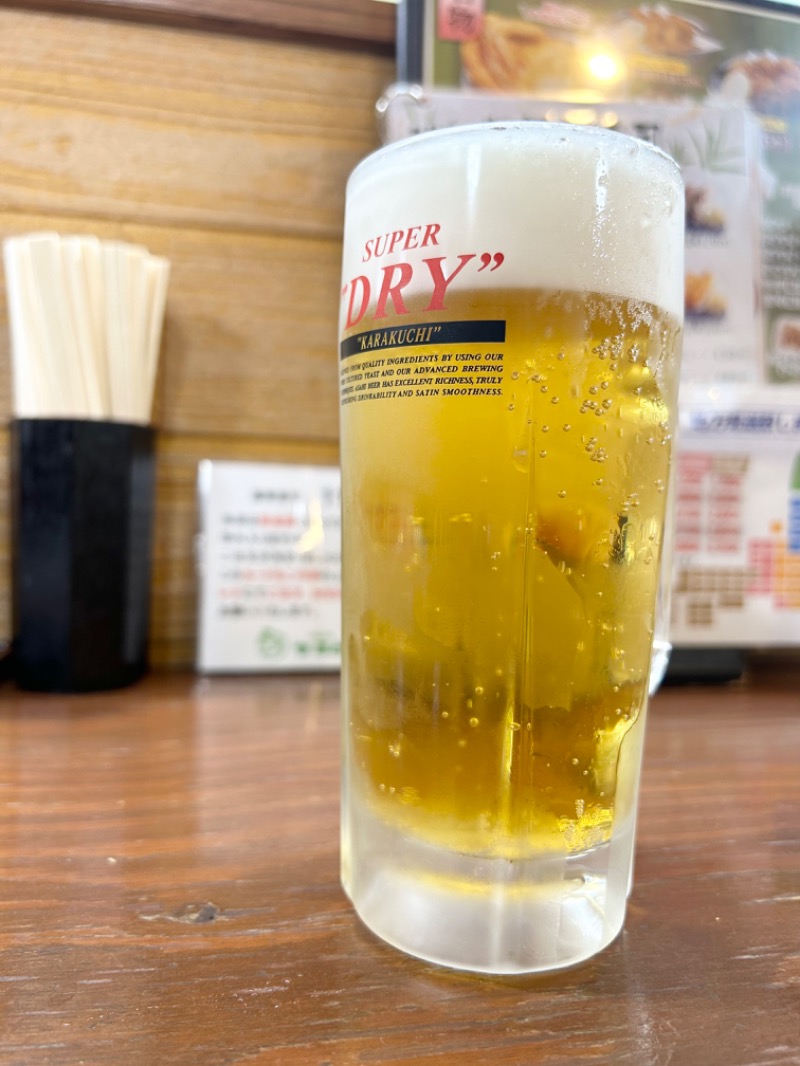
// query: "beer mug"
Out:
[511,310]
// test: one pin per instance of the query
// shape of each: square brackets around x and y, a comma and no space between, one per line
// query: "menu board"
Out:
[269,560]
[736,572]
[612,51]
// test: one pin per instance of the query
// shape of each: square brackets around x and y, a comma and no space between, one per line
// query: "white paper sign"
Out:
[269,558]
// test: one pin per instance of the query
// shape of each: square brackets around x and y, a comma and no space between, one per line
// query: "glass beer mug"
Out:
[511,311]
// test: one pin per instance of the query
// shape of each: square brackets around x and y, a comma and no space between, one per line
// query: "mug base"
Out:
[487,914]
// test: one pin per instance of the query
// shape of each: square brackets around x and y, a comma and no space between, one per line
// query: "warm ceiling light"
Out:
[603,67]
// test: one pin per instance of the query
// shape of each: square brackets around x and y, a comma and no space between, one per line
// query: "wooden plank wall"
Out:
[229,156]
[355,23]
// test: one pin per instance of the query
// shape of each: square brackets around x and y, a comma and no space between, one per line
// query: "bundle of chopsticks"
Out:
[86,319]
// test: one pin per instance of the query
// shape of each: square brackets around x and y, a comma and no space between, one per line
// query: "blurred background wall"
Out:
[228,153]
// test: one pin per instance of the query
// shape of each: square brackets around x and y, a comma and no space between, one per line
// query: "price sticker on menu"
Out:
[269,560]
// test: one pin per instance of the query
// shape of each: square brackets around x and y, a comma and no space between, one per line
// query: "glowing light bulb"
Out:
[603,67]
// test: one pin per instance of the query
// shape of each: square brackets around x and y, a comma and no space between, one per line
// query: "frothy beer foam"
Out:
[508,205]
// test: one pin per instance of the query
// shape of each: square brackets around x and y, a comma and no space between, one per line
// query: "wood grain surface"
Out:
[170,894]
[228,155]
[348,23]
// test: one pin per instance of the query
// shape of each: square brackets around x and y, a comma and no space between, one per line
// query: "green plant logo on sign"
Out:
[318,644]
[271,643]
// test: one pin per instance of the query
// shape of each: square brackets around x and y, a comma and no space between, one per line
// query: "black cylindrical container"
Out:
[82,516]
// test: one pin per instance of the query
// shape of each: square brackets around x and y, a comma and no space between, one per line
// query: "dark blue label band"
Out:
[479,331]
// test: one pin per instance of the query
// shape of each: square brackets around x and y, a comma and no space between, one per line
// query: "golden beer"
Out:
[503,504]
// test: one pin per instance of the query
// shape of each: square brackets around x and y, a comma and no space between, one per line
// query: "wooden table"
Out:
[169,894]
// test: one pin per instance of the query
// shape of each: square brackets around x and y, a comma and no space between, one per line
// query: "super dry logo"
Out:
[401,239]
[432,276]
